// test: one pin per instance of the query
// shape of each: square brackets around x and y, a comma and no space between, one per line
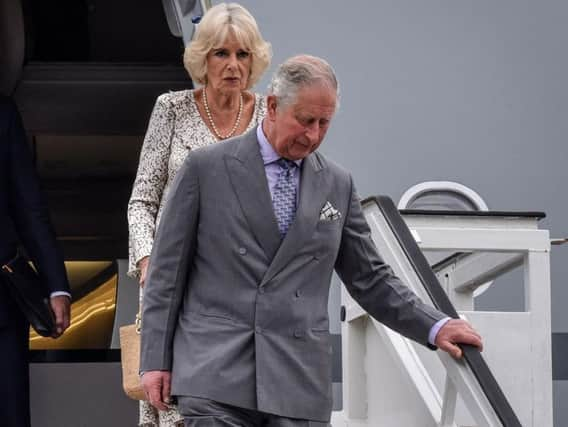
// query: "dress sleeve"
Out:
[150,181]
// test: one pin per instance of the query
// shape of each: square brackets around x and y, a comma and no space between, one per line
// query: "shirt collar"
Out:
[266,150]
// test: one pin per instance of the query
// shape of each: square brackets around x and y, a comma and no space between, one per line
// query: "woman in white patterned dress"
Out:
[227,57]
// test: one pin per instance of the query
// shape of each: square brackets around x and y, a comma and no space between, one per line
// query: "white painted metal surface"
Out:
[390,381]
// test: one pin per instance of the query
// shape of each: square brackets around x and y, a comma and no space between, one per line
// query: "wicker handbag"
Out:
[130,360]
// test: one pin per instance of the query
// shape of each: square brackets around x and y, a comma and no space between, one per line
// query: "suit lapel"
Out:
[248,178]
[313,192]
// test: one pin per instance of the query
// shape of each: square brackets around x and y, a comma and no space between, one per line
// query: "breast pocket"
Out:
[325,224]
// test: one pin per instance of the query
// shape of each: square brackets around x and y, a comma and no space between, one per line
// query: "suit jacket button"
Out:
[261,290]
[242,251]
[298,293]
[258,330]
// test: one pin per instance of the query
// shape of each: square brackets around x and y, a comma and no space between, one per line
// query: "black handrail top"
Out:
[506,214]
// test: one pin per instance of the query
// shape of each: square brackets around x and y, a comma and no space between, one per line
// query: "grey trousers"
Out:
[198,412]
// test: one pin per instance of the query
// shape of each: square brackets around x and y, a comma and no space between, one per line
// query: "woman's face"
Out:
[228,66]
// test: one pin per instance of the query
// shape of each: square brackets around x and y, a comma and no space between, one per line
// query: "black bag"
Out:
[26,288]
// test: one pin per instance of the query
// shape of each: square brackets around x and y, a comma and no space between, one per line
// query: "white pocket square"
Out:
[329,213]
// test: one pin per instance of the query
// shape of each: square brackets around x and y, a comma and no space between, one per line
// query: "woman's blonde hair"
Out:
[212,32]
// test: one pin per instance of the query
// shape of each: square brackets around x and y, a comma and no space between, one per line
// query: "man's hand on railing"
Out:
[457,331]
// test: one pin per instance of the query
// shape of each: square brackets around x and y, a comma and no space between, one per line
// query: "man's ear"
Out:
[271,105]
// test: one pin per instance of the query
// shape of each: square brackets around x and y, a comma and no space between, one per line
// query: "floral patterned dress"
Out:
[175,128]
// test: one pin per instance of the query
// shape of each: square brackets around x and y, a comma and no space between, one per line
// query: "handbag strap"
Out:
[6,265]
[138,322]
[138,319]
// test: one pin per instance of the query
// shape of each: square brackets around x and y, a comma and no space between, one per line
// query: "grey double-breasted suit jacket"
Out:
[240,316]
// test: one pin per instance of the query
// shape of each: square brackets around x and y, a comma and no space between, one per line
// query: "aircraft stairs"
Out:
[390,381]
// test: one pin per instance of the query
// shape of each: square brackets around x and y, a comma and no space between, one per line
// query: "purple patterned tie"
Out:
[284,197]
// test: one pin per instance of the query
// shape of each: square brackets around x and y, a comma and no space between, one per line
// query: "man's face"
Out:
[297,130]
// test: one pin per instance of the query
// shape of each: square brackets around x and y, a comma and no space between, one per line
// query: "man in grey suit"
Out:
[235,308]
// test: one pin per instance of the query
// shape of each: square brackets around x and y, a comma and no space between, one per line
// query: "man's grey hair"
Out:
[299,72]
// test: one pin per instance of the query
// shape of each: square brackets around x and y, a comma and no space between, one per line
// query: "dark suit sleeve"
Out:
[373,284]
[28,209]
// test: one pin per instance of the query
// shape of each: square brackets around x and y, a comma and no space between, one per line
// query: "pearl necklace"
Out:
[212,123]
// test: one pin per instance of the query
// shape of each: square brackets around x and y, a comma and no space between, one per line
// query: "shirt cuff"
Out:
[59,293]
[435,329]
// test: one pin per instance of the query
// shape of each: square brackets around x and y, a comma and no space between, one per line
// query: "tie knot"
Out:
[286,164]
